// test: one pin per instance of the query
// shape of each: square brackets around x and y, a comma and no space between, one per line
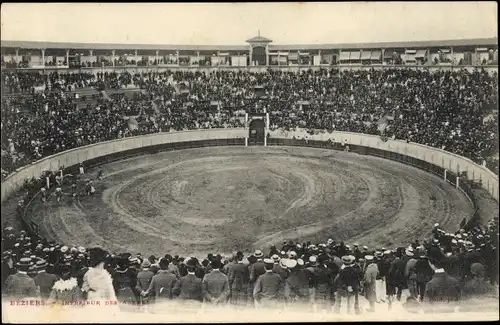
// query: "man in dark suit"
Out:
[396,278]
[189,286]
[43,280]
[215,285]
[269,287]
[20,285]
[238,281]
[163,283]
[255,269]
[442,288]
[296,284]
[144,278]
[279,268]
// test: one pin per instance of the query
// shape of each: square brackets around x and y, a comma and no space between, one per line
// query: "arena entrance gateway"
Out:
[257,124]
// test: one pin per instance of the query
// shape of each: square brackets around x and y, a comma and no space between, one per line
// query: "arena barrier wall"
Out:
[436,161]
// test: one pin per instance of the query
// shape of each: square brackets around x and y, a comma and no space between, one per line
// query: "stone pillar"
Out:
[43,57]
[250,62]
[267,55]
[67,58]
[113,57]
[157,58]
[17,55]
[91,52]
[177,52]
[198,55]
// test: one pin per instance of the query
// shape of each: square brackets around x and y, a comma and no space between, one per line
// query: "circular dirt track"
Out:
[226,198]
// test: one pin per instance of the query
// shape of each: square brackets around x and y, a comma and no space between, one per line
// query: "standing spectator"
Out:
[396,278]
[238,281]
[370,278]
[297,283]
[410,274]
[347,284]
[189,287]
[442,288]
[215,285]
[97,282]
[163,283]
[144,278]
[269,287]
[255,269]
[43,280]
[279,268]
[124,282]
[20,285]
[321,283]
[423,273]
[65,289]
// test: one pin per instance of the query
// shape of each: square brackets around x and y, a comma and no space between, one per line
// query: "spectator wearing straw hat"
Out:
[321,282]
[297,283]
[255,270]
[269,287]
[238,281]
[410,274]
[215,285]
[369,281]
[43,280]
[347,284]
[20,285]
[280,267]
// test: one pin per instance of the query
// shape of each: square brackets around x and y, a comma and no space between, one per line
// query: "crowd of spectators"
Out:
[443,109]
[441,272]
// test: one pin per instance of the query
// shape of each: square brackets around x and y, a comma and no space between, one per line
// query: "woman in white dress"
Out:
[98,284]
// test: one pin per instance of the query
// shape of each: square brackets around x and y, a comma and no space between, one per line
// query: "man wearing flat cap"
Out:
[215,285]
[43,280]
[238,281]
[20,285]
[269,287]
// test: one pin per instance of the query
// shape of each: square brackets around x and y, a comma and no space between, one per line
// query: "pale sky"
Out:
[233,23]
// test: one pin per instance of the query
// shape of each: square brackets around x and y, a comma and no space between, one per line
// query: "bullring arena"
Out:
[252,197]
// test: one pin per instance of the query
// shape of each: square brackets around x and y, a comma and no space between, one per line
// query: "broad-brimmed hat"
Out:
[24,264]
[387,252]
[275,258]
[300,262]
[258,253]
[409,252]
[313,259]
[64,249]
[292,254]
[369,258]
[290,264]
[283,262]
[146,264]
[268,261]
[348,259]
[41,265]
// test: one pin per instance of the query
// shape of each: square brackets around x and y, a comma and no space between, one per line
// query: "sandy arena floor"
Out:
[226,198]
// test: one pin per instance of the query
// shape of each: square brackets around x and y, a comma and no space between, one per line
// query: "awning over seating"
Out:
[388,53]
[376,55]
[366,55]
[355,55]
[293,56]
[421,54]
[411,51]
[345,56]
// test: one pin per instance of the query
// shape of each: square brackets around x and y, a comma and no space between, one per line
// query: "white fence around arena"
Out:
[444,159]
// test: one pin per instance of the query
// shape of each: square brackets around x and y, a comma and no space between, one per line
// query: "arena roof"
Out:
[102,46]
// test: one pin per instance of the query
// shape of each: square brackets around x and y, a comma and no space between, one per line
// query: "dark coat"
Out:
[19,286]
[256,270]
[269,286]
[297,286]
[124,283]
[442,288]
[189,288]
[45,281]
[283,273]
[396,274]
[162,285]
[215,287]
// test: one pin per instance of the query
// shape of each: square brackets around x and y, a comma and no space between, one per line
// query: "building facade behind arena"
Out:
[258,52]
